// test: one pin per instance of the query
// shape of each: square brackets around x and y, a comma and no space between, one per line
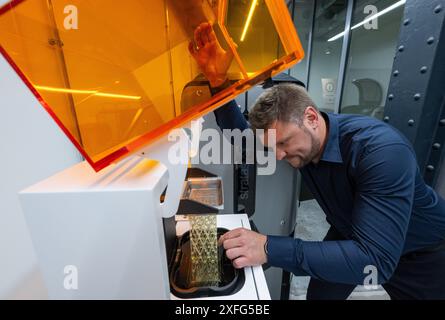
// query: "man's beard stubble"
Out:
[315,149]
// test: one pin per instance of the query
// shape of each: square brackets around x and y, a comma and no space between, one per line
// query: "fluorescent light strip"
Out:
[118,96]
[381,13]
[95,93]
[52,89]
[249,19]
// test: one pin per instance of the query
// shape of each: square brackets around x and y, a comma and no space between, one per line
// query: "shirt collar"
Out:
[331,152]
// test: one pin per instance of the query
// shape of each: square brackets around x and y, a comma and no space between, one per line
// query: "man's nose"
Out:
[280,154]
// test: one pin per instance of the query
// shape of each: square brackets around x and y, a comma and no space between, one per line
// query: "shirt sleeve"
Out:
[385,180]
[229,116]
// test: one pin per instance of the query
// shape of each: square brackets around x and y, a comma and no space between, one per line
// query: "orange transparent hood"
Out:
[117,75]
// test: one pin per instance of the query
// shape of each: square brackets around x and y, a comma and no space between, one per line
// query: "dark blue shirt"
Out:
[369,185]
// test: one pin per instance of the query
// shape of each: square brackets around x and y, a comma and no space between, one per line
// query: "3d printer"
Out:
[115,77]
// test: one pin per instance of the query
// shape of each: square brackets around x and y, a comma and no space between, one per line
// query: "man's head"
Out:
[300,128]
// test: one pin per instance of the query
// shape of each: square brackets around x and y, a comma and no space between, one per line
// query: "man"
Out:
[363,173]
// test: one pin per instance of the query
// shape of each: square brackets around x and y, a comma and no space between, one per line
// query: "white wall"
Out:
[32,148]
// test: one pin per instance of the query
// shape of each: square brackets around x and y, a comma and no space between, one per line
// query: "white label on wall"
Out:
[329,87]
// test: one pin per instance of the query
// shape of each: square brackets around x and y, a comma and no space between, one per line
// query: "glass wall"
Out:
[302,13]
[330,17]
[371,55]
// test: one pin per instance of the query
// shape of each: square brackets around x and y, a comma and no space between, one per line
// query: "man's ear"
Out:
[311,116]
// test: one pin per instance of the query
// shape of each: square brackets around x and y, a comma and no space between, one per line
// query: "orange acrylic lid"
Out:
[117,75]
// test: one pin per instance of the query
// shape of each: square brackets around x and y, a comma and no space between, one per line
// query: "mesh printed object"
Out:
[204,248]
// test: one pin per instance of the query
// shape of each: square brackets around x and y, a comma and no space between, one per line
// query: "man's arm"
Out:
[229,116]
[382,209]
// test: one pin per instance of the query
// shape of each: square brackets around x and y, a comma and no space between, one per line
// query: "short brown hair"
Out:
[285,102]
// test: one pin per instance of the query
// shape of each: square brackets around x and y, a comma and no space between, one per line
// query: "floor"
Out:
[311,225]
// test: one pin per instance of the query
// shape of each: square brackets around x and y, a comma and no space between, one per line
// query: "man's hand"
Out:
[244,247]
[212,59]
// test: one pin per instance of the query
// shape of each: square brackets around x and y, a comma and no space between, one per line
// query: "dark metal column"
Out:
[415,102]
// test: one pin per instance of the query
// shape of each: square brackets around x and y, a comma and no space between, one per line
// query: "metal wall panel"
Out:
[415,102]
